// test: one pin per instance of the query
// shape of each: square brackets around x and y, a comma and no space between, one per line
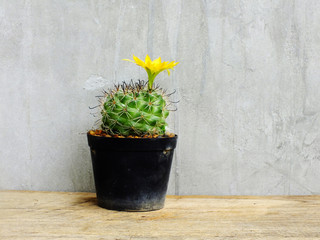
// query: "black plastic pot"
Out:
[131,174]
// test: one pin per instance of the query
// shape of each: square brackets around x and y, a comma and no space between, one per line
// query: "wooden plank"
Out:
[52,215]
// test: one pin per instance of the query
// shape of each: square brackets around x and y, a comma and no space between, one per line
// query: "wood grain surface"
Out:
[65,215]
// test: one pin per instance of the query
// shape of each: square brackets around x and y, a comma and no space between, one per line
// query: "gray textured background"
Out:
[248,84]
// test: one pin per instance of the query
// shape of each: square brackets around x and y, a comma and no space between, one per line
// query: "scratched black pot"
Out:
[131,174]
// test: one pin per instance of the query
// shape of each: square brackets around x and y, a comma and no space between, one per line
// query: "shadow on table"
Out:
[86,201]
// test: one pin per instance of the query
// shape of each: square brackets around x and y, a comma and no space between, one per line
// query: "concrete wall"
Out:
[248,84]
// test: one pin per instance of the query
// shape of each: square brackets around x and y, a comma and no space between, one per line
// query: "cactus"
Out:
[137,108]
[132,109]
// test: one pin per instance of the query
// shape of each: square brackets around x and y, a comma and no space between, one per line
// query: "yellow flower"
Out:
[153,68]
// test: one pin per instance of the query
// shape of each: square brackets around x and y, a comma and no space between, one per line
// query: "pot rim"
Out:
[132,144]
[148,139]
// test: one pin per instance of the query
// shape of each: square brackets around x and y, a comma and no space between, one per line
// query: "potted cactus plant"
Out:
[132,152]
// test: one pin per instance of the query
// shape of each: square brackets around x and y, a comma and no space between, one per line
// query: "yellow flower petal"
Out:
[139,61]
[157,61]
[129,60]
[148,61]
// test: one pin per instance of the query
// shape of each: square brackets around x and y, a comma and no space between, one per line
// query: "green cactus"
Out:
[133,109]
[137,108]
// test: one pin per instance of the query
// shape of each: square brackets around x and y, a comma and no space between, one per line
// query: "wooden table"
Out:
[61,215]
